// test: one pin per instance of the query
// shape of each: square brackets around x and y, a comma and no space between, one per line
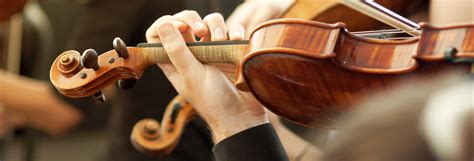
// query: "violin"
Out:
[334,73]
[329,11]
[307,79]
[149,137]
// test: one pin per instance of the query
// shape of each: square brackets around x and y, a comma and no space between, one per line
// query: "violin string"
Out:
[381,33]
[375,31]
[378,32]
[398,38]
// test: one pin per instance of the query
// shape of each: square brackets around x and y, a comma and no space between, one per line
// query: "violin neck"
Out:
[229,52]
[376,11]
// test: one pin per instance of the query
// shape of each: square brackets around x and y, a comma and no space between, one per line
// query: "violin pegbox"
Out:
[77,75]
[122,52]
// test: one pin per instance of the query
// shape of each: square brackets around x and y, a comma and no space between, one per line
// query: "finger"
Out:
[176,48]
[188,36]
[241,14]
[193,20]
[236,32]
[181,26]
[215,23]
[152,32]
[185,30]
[262,15]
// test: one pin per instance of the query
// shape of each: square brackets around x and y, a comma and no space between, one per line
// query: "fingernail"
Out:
[237,34]
[219,34]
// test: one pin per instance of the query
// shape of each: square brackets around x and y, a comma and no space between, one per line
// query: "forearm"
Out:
[37,103]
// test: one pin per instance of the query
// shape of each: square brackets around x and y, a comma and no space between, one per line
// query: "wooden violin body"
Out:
[311,79]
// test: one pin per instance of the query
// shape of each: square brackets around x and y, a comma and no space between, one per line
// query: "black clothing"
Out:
[259,143]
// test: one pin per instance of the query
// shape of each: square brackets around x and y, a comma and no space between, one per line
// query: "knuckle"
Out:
[149,31]
[165,18]
[217,15]
[190,13]
[214,17]
[149,34]
[180,14]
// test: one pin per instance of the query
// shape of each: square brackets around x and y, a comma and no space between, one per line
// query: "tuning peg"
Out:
[89,59]
[120,48]
[99,96]
[126,83]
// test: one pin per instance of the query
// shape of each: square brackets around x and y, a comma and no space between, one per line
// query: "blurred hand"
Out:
[9,121]
[251,13]
[226,109]
[32,103]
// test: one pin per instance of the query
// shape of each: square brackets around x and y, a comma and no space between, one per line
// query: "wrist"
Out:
[226,127]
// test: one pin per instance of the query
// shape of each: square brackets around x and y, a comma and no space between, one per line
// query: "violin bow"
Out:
[376,11]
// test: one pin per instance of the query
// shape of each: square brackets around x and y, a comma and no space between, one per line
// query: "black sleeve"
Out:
[259,143]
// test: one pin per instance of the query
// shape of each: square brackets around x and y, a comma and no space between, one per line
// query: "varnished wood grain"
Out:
[375,55]
[311,84]
[435,40]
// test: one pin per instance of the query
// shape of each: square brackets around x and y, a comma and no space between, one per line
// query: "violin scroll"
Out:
[76,75]
[149,137]
[69,62]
